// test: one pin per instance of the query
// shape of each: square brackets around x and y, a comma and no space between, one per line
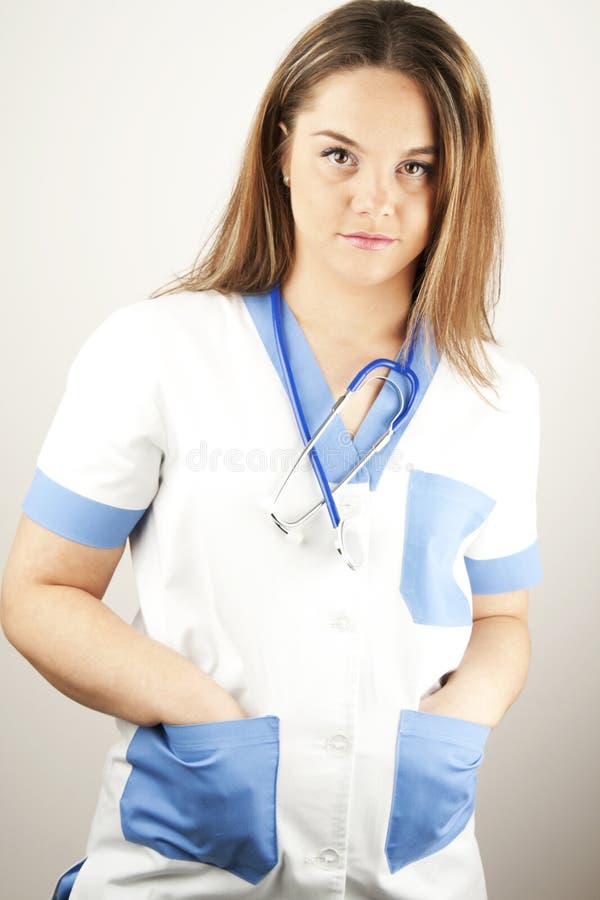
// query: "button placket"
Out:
[344,622]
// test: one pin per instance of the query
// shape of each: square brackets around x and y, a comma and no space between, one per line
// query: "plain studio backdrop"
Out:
[123,126]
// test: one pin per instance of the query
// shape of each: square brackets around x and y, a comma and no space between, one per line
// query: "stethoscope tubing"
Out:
[354,385]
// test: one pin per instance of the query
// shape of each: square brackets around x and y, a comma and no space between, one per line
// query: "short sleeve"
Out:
[98,468]
[504,554]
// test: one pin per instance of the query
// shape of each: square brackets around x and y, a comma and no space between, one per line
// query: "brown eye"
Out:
[339,153]
[426,170]
[335,152]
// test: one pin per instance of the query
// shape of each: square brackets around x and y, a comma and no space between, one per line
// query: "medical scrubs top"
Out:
[175,430]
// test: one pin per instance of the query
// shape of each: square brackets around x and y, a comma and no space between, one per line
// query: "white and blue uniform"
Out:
[175,429]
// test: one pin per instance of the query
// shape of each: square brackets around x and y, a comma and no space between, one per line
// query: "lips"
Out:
[366,241]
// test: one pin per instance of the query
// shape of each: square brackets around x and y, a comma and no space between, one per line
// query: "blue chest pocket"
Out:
[206,792]
[440,513]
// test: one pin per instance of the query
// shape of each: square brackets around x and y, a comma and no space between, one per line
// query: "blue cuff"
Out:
[505,573]
[76,517]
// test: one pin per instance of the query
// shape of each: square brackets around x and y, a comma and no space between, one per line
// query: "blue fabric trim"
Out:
[445,728]
[505,573]
[77,517]
[65,883]
[435,783]
[337,451]
[227,733]
[206,792]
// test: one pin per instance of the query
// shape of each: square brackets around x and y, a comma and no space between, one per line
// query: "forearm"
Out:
[91,655]
[491,673]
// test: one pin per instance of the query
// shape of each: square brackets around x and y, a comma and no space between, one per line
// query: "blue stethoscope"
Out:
[346,539]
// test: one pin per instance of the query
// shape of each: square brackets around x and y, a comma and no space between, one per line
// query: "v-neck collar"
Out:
[337,450]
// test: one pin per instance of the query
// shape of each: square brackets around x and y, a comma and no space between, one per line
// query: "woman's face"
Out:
[382,183]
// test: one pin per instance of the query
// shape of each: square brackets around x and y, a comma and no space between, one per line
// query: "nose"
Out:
[373,194]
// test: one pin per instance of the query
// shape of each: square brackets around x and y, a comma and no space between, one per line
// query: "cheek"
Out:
[315,208]
[418,216]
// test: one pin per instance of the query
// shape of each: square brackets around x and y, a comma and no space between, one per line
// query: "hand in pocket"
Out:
[437,758]
[206,792]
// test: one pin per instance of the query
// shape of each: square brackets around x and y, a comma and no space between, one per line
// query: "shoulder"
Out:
[183,307]
[169,318]
[513,373]
[516,384]
[155,327]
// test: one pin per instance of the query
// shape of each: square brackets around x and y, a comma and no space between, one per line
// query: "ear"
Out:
[284,155]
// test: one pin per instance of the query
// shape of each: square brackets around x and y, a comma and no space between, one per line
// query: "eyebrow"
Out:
[429,150]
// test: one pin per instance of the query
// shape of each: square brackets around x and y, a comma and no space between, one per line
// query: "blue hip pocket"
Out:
[206,792]
[435,783]
[440,513]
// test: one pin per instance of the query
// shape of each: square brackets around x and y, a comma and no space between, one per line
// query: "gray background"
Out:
[123,124]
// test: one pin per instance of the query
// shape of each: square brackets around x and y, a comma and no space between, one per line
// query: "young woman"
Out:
[322,650]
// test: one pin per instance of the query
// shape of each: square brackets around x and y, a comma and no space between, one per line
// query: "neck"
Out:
[346,312]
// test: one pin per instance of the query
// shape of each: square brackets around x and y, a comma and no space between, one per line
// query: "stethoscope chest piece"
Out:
[349,544]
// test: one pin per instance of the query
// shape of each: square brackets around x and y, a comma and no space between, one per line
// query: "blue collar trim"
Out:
[337,451]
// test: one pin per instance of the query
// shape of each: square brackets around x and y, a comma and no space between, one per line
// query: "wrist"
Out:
[206,702]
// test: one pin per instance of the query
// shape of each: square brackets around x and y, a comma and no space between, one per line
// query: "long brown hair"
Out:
[457,281]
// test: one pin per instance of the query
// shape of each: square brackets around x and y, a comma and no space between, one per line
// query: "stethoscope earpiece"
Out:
[295,535]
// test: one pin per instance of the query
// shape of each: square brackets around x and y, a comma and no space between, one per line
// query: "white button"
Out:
[328,858]
[342,623]
[338,743]
[351,505]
